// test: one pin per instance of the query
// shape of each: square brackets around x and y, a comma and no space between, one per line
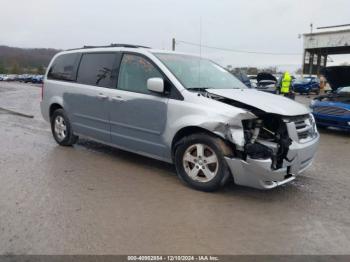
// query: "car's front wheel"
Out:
[61,129]
[200,162]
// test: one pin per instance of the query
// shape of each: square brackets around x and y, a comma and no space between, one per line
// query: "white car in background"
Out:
[4,78]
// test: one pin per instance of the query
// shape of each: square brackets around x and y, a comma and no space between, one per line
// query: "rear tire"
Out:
[61,129]
[200,162]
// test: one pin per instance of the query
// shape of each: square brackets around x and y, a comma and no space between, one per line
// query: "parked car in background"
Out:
[182,109]
[28,78]
[333,109]
[5,77]
[253,81]
[37,79]
[266,82]
[22,78]
[11,78]
[306,85]
[19,78]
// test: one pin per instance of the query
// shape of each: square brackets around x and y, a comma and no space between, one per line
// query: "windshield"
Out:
[194,72]
[345,89]
[303,80]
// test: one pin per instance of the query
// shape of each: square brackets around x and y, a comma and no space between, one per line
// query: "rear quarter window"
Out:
[64,67]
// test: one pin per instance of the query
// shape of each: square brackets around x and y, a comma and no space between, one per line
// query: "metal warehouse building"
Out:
[318,46]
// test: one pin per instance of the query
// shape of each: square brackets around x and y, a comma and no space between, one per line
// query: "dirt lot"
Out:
[93,199]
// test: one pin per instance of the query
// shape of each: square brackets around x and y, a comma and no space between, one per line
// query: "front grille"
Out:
[300,124]
[303,135]
[331,110]
[304,127]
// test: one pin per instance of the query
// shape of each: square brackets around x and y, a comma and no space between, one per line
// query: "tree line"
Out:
[14,60]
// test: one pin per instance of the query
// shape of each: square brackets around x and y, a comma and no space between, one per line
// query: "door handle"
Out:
[118,98]
[102,96]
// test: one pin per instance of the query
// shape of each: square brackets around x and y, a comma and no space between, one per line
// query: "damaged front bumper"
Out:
[258,173]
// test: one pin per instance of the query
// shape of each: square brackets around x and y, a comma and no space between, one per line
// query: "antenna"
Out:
[311,29]
[173,43]
[200,36]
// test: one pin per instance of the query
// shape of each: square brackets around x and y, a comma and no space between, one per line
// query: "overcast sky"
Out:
[253,25]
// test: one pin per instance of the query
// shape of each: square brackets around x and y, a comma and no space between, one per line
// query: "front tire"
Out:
[61,129]
[200,162]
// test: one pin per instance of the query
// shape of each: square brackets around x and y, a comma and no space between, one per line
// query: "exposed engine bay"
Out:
[266,137]
[338,78]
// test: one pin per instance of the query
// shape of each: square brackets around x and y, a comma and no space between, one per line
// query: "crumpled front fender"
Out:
[229,128]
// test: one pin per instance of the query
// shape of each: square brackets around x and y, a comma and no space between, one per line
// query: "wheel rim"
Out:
[200,163]
[60,128]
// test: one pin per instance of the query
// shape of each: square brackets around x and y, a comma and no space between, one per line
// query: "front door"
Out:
[137,115]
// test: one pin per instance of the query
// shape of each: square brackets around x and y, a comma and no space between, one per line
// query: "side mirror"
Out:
[155,84]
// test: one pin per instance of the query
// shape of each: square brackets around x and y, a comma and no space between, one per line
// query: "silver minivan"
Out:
[181,109]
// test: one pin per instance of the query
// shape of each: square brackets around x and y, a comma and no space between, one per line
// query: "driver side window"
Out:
[134,73]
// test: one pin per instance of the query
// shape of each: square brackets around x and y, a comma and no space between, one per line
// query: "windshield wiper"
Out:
[199,89]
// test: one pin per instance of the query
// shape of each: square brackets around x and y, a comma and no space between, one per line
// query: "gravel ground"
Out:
[94,199]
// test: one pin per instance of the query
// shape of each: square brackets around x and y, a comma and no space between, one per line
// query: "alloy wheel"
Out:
[200,162]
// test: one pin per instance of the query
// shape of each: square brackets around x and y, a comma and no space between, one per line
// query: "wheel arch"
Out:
[53,108]
[227,146]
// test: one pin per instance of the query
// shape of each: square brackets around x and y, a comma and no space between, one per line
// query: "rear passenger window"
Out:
[134,73]
[97,69]
[64,67]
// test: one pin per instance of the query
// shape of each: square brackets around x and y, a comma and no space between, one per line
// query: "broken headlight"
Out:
[266,138]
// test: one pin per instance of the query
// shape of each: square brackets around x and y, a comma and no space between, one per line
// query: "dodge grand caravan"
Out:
[181,109]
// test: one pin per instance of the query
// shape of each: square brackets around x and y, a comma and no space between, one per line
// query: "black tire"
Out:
[215,144]
[69,139]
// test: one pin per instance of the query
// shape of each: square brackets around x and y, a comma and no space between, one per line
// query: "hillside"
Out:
[24,60]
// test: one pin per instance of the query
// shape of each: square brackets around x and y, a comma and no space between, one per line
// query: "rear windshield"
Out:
[302,80]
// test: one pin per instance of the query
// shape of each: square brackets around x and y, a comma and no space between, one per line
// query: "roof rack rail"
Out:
[111,45]
[117,45]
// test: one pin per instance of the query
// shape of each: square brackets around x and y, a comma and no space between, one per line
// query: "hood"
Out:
[334,97]
[337,76]
[266,102]
[265,76]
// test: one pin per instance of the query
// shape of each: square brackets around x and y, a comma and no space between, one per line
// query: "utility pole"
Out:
[173,44]
[200,37]
[311,27]
[312,55]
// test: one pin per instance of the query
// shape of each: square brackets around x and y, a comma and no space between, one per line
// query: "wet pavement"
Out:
[94,199]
